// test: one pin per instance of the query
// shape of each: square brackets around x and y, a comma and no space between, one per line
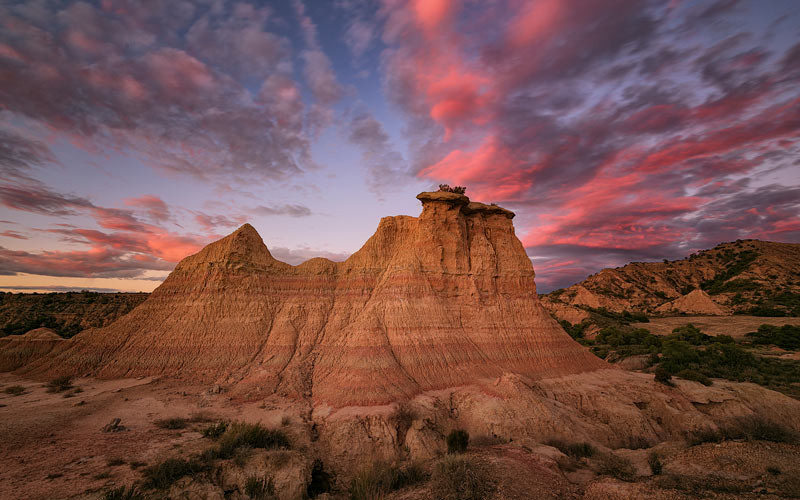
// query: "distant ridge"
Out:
[744,276]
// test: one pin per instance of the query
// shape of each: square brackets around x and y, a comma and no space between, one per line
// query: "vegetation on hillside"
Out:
[690,354]
[64,313]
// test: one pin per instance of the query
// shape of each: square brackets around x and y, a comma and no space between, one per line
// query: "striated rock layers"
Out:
[440,300]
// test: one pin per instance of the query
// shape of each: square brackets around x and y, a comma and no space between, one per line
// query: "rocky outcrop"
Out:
[440,300]
[695,302]
[18,350]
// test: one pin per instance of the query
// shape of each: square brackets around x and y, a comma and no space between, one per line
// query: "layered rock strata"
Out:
[440,300]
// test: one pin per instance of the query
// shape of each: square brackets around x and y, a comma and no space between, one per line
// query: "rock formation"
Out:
[17,350]
[695,302]
[441,300]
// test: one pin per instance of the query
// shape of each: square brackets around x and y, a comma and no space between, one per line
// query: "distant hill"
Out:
[64,313]
[760,278]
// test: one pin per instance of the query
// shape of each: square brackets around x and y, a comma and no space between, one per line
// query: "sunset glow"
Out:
[133,133]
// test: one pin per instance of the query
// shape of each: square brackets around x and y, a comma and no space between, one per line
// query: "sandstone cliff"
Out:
[441,300]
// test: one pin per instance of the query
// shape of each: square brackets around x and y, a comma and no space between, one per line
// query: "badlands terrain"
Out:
[425,366]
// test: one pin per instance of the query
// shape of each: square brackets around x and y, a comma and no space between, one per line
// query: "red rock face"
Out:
[441,300]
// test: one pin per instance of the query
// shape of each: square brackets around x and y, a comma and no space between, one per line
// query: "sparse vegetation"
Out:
[14,390]
[123,493]
[461,478]
[259,488]
[382,478]
[171,423]
[64,313]
[662,376]
[615,466]
[60,384]
[163,474]
[654,461]
[240,434]
[736,263]
[572,450]
[114,462]
[457,441]
[455,189]
[695,376]
[753,427]
[214,431]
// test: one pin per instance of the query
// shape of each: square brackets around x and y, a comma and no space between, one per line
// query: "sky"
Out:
[132,133]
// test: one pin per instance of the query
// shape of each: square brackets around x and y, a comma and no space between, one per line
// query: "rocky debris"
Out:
[429,302]
[114,426]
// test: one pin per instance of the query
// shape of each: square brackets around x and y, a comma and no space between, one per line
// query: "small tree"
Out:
[455,189]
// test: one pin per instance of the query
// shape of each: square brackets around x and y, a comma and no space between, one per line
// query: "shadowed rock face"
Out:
[440,300]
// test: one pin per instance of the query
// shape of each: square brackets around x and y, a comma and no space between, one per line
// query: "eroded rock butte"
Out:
[441,300]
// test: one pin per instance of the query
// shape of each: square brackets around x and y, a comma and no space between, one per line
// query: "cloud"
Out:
[131,248]
[94,263]
[387,168]
[14,234]
[19,155]
[165,81]
[38,199]
[154,206]
[290,210]
[213,223]
[613,136]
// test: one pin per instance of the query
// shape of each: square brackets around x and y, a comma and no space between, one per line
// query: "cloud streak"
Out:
[613,134]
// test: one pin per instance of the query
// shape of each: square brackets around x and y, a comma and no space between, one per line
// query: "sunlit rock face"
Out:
[441,300]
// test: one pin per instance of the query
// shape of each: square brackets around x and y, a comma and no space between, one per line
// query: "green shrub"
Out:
[164,474]
[785,337]
[574,450]
[59,384]
[382,478]
[775,471]
[656,467]
[694,375]
[214,431]
[690,334]
[123,493]
[460,478]
[260,488]
[457,441]
[662,376]
[171,423]
[15,390]
[242,434]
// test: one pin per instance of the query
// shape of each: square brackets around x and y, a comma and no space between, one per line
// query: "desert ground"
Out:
[736,326]
[56,447]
